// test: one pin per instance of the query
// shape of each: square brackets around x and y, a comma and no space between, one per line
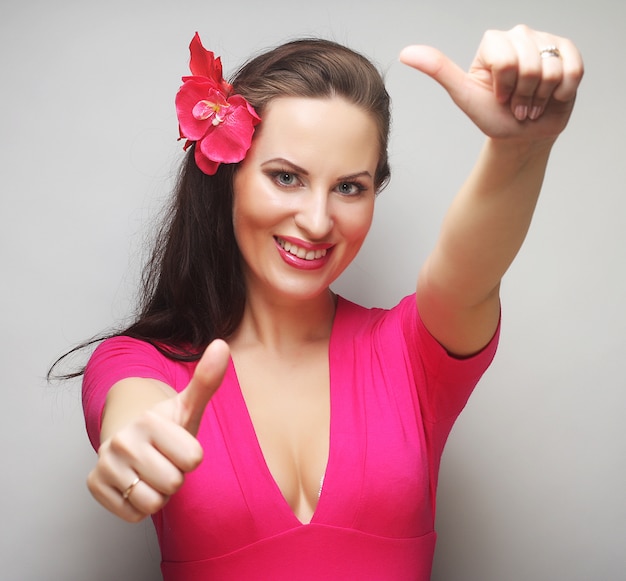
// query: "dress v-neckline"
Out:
[268,484]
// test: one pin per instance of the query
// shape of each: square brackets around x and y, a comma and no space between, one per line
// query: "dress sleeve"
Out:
[444,382]
[115,359]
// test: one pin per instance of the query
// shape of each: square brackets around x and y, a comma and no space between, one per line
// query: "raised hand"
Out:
[145,462]
[521,84]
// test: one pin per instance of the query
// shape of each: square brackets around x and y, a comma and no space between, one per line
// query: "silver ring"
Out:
[550,51]
[127,492]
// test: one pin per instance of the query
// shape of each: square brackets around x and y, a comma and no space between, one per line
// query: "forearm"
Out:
[521,96]
[128,399]
[486,224]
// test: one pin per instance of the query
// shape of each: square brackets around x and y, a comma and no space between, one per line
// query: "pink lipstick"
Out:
[301,254]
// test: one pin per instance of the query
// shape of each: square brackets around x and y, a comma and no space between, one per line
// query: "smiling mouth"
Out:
[302,253]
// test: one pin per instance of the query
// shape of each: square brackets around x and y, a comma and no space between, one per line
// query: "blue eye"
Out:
[350,188]
[284,178]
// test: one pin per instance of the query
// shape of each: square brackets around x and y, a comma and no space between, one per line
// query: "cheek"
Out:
[237,220]
[358,222]
[245,224]
[255,215]
[245,214]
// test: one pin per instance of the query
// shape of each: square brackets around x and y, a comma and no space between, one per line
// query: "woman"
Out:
[272,429]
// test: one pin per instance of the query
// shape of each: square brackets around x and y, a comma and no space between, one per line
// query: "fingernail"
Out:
[521,112]
[535,112]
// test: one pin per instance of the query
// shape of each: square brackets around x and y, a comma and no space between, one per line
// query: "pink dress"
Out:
[395,394]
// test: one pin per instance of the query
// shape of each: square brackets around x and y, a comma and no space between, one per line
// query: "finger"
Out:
[163,467]
[551,76]
[129,492]
[573,71]
[154,448]
[530,72]
[140,453]
[436,65]
[161,448]
[140,498]
[206,380]
[497,62]
[111,497]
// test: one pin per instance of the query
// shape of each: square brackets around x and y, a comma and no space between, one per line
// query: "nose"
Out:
[314,216]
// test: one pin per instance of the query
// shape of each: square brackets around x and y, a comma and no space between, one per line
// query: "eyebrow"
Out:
[302,171]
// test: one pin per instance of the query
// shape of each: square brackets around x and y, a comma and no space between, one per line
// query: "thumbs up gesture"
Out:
[152,443]
[521,84]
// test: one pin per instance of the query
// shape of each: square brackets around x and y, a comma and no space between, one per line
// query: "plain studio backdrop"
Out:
[533,479]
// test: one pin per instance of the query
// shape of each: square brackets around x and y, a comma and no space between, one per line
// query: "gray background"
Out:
[533,479]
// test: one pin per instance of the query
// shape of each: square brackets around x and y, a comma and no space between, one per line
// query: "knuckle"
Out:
[521,29]
[154,504]
[173,484]
[530,71]
[149,419]
[133,517]
[147,423]
[92,483]
[491,34]
[504,64]
[577,71]
[194,457]
[118,445]
[552,76]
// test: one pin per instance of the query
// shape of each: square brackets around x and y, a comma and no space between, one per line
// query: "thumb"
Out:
[436,65]
[206,379]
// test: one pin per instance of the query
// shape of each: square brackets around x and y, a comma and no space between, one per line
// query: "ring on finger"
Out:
[550,51]
[132,485]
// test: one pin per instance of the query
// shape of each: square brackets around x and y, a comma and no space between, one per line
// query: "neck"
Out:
[285,325]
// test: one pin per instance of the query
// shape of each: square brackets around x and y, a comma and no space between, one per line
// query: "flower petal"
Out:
[206,165]
[229,141]
[202,61]
[239,101]
[220,124]
[204,64]
[190,93]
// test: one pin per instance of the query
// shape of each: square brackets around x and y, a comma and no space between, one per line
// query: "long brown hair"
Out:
[193,289]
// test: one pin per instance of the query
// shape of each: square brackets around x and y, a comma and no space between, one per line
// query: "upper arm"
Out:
[463,329]
[129,398]
[482,232]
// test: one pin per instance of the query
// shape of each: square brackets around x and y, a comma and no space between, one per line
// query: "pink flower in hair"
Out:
[220,123]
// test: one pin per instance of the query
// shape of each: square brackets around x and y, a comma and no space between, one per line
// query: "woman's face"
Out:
[304,195]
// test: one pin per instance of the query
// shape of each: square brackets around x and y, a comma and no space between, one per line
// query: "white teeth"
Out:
[301,252]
